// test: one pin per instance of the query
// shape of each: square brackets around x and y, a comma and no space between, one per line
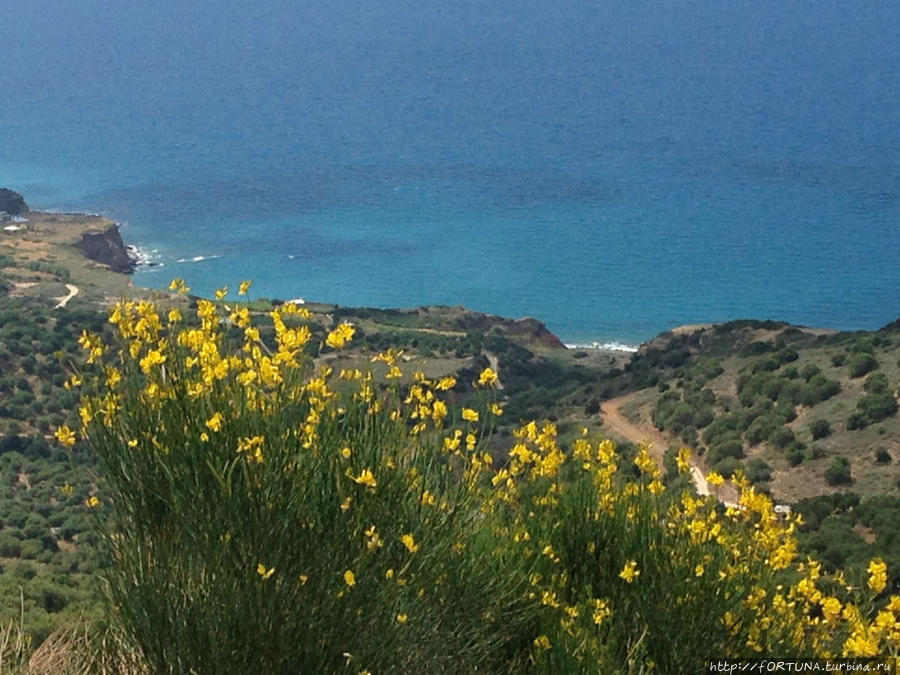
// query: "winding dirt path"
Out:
[621,426]
[63,301]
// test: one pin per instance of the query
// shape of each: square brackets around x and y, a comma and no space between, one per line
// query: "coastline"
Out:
[123,259]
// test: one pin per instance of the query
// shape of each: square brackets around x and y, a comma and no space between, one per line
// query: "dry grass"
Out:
[71,650]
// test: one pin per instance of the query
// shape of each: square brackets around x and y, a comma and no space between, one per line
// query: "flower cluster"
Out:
[327,518]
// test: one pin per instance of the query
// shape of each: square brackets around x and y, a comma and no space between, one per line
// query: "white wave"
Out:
[603,346]
[70,212]
[143,257]
[198,258]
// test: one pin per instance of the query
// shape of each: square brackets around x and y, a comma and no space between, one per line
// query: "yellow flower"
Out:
[350,578]
[683,460]
[714,478]
[153,358]
[630,571]
[222,292]
[179,286]
[402,618]
[366,478]
[894,604]
[263,572]
[345,453]
[601,611]
[340,335]
[438,411]
[495,409]
[215,422]
[410,543]
[65,436]
[244,287]
[487,377]
[645,462]
[877,575]
[73,381]
[831,608]
[92,502]
[698,571]
[542,642]
[345,505]
[67,490]
[446,383]
[470,415]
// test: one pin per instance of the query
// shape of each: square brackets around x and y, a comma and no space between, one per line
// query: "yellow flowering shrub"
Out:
[264,514]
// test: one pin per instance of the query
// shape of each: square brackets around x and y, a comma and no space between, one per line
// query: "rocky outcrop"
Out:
[12,202]
[107,247]
[531,330]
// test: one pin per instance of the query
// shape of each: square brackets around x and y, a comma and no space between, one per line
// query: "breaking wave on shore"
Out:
[604,346]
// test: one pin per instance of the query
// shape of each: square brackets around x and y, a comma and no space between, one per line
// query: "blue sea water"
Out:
[614,169]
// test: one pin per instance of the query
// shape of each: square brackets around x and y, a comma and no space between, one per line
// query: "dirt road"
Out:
[621,426]
[618,424]
[64,300]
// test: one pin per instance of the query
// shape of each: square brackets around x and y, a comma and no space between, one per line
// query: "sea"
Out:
[613,169]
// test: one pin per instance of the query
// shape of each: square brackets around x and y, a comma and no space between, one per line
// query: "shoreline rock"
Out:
[107,247]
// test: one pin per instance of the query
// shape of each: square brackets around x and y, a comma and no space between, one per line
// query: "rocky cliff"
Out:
[107,247]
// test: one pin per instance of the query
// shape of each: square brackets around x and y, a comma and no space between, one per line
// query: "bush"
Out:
[876,383]
[838,472]
[782,438]
[856,421]
[259,516]
[794,457]
[838,360]
[10,547]
[728,466]
[861,363]
[882,456]
[809,371]
[877,407]
[758,471]
[725,446]
[820,429]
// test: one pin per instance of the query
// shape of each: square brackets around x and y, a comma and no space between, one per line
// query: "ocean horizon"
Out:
[613,171]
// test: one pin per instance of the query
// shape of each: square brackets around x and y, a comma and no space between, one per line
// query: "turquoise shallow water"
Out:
[613,171]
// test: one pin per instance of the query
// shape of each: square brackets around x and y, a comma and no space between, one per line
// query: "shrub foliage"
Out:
[262,513]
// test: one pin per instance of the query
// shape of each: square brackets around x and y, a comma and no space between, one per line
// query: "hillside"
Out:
[803,412]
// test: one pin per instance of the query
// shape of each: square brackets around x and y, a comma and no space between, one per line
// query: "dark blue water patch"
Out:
[282,195]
